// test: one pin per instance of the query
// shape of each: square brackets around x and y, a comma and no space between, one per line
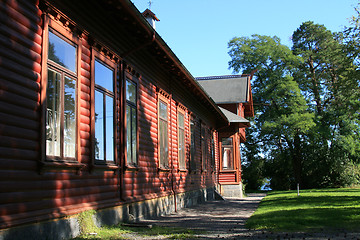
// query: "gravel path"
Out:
[214,219]
[226,220]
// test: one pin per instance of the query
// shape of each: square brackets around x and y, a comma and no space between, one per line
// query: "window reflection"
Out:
[104,76]
[60,126]
[128,134]
[130,91]
[181,132]
[109,128]
[99,126]
[131,122]
[104,112]
[62,52]
[53,114]
[163,132]
[227,154]
[133,134]
[69,117]
[192,146]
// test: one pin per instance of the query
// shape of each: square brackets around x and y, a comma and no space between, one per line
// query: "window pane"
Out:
[163,110]
[181,120]
[130,91]
[226,141]
[53,114]
[163,144]
[227,158]
[128,134]
[133,134]
[192,146]
[69,117]
[104,76]
[99,125]
[181,149]
[62,52]
[109,128]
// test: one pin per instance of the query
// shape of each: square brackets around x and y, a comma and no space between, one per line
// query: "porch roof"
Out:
[233,118]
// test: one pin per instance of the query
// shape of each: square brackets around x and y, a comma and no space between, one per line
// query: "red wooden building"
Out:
[233,96]
[97,112]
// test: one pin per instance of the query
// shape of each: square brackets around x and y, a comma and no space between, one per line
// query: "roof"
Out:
[233,118]
[227,89]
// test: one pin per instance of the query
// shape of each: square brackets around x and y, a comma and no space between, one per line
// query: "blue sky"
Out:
[198,31]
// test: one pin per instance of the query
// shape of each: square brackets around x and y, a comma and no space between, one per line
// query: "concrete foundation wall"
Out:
[67,228]
[235,191]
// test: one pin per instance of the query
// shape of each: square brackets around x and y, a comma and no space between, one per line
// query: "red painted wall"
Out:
[29,195]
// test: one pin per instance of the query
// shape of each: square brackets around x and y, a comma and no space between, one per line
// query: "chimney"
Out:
[150,17]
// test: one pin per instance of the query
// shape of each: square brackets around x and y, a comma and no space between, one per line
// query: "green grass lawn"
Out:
[313,210]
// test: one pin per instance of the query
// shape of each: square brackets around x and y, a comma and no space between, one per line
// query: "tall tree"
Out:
[307,102]
[283,116]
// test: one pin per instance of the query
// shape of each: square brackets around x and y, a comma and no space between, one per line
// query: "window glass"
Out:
[104,112]
[181,120]
[133,134]
[163,132]
[131,122]
[164,151]
[62,52]
[69,117]
[192,147]
[181,140]
[53,113]
[109,128]
[128,134]
[212,150]
[130,92]
[203,148]
[104,76]
[227,158]
[227,151]
[226,141]
[163,110]
[99,125]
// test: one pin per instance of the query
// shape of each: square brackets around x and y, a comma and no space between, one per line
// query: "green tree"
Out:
[283,116]
[307,103]
[327,78]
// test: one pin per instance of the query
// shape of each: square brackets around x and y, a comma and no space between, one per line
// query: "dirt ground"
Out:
[226,220]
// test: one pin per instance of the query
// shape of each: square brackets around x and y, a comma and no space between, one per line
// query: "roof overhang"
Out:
[233,118]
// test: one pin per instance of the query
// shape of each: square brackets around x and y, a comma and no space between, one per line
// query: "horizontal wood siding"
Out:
[227,178]
[29,193]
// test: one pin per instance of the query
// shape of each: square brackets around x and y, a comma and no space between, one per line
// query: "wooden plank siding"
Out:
[32,191]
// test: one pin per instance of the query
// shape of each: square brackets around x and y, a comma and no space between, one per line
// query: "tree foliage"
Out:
[307,108]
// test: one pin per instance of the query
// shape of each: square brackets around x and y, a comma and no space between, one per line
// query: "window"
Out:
[227,154]
[212,146]
[104,99]
[204,148]
[163,134]
[60,119]
[131,122]
[192,145]
[181,139]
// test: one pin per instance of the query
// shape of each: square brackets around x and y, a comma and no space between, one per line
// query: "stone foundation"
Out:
[232,191]
[67,228]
